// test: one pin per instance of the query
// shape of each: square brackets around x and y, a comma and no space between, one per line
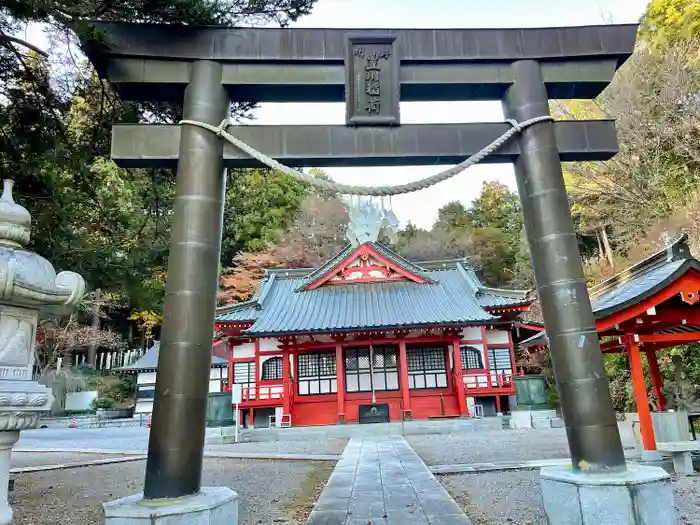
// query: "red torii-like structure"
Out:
[646,308]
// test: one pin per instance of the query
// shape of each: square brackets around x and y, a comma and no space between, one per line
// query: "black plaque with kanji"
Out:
[372,81]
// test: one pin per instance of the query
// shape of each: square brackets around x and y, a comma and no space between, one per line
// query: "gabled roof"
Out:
[493,297]
[641,280]
[247,311]
[638,282]
[350,253]
[148,362]
[444,293]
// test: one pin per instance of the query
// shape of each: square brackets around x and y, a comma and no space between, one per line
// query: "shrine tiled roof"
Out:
[643,279]
[148,362]
[638,282]
[450,295]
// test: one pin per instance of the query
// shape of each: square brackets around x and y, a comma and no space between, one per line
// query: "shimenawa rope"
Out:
[373,191]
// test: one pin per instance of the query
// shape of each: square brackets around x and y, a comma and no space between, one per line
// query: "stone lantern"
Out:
[29,287]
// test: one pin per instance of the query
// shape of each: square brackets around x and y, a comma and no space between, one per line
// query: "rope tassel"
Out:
[372,191]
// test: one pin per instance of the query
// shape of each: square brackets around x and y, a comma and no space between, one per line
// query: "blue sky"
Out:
[421,208]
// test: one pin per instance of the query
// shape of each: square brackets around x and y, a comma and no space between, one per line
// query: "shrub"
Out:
[102,402]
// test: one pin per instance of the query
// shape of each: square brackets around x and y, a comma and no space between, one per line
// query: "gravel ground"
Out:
[514,498]
[271,492]
[325,446]
[500,445]
[28,459]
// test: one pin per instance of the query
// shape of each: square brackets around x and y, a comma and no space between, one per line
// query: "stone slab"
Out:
[423,427]
[520,419]
[212,506]
[641,495]
[81,464]
[381,480]
[207,454]
[683,463]
[678,446]
[540,422]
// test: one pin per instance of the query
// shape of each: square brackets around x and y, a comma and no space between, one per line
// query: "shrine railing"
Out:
[488,381]
[262,393]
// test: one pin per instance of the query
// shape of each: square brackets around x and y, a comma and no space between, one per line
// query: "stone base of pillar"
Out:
[651,456]
[641,495]
[520,419]
[212,506]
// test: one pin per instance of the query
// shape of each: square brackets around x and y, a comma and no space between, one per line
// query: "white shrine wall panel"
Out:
[495,337]
[471,333]
[143,407]
[268,344]
[146,378]
[244,350]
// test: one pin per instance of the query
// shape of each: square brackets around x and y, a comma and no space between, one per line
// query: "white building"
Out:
[146,369]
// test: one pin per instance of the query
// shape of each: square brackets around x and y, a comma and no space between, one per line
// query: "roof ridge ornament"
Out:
[368,220]
[391,222]
[365,223]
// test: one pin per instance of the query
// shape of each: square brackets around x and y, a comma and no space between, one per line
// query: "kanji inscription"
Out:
[372,81]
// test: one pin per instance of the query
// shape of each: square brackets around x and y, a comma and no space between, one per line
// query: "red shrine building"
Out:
[371,337]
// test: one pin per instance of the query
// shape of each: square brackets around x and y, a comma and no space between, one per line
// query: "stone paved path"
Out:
[382,481]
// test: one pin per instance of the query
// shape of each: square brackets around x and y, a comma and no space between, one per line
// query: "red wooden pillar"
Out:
[229,344]
[286,384]
[640,393]
[459,380]
[340,382]
[487,365]
[256,365]
[230,375]
[656,380]
[403,380]
[498,405]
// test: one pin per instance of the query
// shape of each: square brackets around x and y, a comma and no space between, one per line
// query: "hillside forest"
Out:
[112,225]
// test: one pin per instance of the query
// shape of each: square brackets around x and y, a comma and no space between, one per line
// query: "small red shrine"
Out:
[645,309]
[370,336]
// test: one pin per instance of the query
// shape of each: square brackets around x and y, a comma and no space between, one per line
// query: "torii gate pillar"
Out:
[591,426]
[174,465]
[600,488]
[176,441]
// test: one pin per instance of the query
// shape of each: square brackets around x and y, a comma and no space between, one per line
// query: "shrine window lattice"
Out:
[427,367]
[499,360]
[383,375]
[244,374]
[471,358]
[272,369]
[316,374]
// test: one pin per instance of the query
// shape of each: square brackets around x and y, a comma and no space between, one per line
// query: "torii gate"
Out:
[372,70]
